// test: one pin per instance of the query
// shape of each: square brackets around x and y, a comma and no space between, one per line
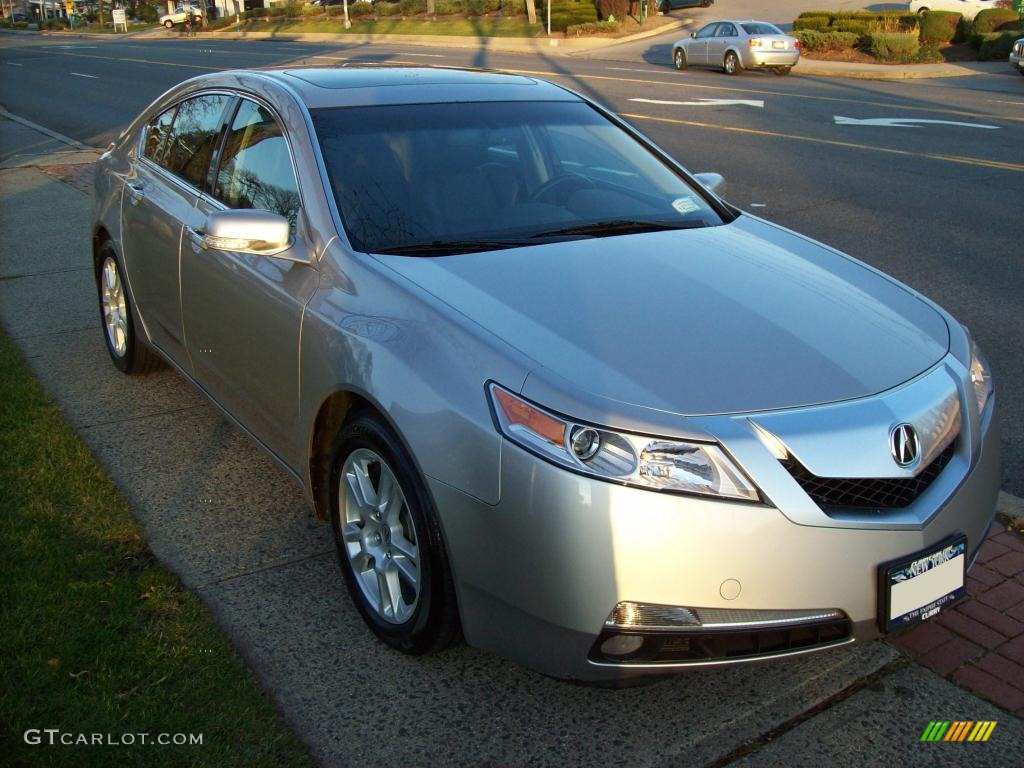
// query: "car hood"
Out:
[729,319]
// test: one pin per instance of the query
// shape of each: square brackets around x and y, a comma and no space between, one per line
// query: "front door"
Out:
[243,312]
[697,49]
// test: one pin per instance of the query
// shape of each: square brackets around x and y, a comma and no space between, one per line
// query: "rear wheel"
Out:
[128,352]
[169,24]
[731,64]
[389,544]
[679,59]
[781,71]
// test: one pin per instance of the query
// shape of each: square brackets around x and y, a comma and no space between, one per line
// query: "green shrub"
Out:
[993,20]
[387,9]
[447,7]
[929,54]
[412,7]
[146,13]
[812,40]
[480,7]
[279,11]
[996,45]
[815,14]
[513,7]
[339,10]
[21,25]
[359,9]
[313,10]
[591,28]
[899,47]
[817,23]
[293,8]
[857,26]
[939,26]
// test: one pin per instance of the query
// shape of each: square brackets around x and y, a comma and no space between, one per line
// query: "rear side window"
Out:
[255,168]
[726,30]
[193,137]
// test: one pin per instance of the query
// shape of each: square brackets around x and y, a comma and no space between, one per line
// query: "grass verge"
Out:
[472,27]
[97,637]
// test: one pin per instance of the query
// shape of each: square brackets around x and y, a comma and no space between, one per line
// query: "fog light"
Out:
[621,645]
[586,442]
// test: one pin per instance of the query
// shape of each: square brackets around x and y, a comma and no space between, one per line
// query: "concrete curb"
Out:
[819,68]
[74,143]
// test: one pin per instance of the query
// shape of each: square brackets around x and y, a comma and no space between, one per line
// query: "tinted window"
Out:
[193,137]
[255,168]
[156,136]
[760,29]
[726,30]
[441,173]
[708,31]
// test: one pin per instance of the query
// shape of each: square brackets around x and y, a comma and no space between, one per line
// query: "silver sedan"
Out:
[738,45]
[547,387]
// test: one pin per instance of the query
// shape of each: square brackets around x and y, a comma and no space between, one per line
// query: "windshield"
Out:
[429,179]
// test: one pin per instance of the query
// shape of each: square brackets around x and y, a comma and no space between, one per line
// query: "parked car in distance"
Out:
[179,15]
[669,5]
[547,386]
[1017,55]
[967,8]
[738,45]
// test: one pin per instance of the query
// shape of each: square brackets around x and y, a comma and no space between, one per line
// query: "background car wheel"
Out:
[129,353]
[169,24]
[705,4]
[679,59]
[731,64]
[389,544]
[922,11]
[781,71]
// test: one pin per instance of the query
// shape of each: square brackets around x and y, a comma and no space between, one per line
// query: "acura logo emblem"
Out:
[904,444]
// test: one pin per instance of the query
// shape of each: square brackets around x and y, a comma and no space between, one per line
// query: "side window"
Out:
[726,30]
[708,31]
[255,168]
[193,137]
[156,135]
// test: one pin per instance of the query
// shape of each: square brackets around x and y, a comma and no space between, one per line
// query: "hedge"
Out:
[817,23]
[894,46]
[359,9]
[995,20]
[856,26]
[812,40]
[388,9]
[412,7]
[995,45]
[591,28]
[939,26]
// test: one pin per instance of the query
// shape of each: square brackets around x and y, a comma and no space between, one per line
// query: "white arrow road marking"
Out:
[906,122]
[79,74]
[706,103]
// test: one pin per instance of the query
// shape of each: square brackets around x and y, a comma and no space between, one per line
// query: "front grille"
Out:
[873,493]
[740,644]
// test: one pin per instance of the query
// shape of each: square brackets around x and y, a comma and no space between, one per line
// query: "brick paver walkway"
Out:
[980,642]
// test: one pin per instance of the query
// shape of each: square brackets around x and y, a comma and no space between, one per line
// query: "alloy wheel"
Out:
[380,538]
[115,309]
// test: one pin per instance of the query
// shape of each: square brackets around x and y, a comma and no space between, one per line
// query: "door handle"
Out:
[136,191]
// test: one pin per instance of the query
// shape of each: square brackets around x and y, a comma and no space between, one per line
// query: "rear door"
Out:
[159,200]
[243,313]
[725,36]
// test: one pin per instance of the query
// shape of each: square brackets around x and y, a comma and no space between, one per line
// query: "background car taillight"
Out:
[796,43]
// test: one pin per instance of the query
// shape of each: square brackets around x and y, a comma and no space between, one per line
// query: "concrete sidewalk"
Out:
[266,569]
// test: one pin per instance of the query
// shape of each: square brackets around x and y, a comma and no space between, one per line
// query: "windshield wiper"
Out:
[621,227]
[450,247]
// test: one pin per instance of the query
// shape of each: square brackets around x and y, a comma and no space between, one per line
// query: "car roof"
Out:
[320,87]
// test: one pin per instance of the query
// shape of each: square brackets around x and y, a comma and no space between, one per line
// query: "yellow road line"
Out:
[1003,166]
[882,104]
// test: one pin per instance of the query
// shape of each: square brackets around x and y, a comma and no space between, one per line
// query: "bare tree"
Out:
[531,11]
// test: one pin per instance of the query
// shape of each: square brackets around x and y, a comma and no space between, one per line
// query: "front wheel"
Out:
[781,71]
[731,64]
[679,59]
[128,352]
[169,24]
[389,544]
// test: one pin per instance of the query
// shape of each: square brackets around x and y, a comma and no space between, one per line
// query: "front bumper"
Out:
[538,574]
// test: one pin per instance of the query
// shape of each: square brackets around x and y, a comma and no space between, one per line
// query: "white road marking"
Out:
[906,122]
[427,55]
[1017,103]
[332,58]
[91,77]
[706,103]
[628,69]
[758,205]
[15,64]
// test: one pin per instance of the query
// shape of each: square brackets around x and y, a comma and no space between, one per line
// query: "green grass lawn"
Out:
[96,636]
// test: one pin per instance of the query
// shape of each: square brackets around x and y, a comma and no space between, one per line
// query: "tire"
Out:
[679,59]
[415,618]
[922,11]
[128,352]
[781,71]
[169,24]
[731,63]
[705,4]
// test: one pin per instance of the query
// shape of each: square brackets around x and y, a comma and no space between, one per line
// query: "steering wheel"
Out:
[564,183]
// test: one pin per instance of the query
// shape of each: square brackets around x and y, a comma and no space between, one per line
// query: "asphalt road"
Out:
[937,205]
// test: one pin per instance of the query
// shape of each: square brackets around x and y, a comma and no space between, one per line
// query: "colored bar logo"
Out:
[959,730]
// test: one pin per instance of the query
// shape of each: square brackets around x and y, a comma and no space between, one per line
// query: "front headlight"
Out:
[981,376]
[653,463]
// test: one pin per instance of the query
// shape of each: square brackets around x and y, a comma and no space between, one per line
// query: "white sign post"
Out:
[119,19]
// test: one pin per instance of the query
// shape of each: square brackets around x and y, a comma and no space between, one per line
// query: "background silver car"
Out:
[548,388]
[738,45]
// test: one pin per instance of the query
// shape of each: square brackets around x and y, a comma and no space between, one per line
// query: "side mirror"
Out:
[693,34]
[247,231]
[714,182]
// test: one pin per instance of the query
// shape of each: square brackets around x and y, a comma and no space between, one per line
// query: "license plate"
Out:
[918,586]
[778,44]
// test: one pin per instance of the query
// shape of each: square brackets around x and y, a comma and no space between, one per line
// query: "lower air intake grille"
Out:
[878,493]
